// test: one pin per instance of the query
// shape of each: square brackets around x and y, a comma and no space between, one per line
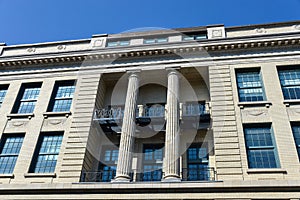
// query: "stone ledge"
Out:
[39,175]
[50,114]
[266,171]
[287,103]
[267,104]
[7,176]
[17,115]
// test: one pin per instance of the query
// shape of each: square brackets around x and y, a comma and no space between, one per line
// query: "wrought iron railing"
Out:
[201,174]
[155,175]
[100,176]
[155,111]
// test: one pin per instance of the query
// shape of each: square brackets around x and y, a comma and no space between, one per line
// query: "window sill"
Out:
[26,115]
[37,175]
[50,114]
[266,171]
[7,176]
[267,104]
[287,103]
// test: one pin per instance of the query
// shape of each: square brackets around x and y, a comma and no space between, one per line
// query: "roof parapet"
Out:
[2,45]
[98,41]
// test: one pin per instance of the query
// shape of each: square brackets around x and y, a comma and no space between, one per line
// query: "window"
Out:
[155,40]
[296,133]
[193,108]
[152,163]
[194,37]
[290,83]
[46,153]
[118,43]
[249,85]
[197,163]
[108,165]
[155,110]
[62,96]
[10,148]
[3,90]
[27,98]
[260,147]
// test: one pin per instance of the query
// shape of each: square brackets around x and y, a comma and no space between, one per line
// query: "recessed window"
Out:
[10,149]
[155,40]
[197,163]
[108,164]
[296,133]
[46,153]
[290,83]
[3,90]
[118,43]
[194,37]
[62,96]
[152,162]
[250,87]
[27,98]
[260,146]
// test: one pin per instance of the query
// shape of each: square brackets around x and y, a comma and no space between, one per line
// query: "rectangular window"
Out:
[118,43]
[62,96]
[152,163]
[155,40]
[108,164]
[46,153]
[194,37]
[197,163]
[260,146]
[27,98]
[296,133]
[10,149]
[3,90]
[250,87]
[290,83]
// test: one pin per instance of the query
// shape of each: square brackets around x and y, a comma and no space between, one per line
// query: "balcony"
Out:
[202,174]
[152,117]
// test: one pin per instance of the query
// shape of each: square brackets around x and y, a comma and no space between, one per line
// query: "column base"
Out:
[171,179]
[121,179]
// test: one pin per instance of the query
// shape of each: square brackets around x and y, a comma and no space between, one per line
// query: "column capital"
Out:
[133,72]
[173,70]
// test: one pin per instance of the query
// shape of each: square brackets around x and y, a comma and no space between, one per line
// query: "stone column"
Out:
[128,130]
[171,161]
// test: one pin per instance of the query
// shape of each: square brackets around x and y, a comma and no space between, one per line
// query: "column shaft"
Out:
[128,130]
[171,162]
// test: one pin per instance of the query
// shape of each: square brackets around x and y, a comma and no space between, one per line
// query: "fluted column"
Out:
[128,130]
[171,162]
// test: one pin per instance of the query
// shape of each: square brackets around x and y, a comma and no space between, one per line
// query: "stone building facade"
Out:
[191,113]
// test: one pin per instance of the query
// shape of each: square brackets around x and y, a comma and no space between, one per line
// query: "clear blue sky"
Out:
[32,21]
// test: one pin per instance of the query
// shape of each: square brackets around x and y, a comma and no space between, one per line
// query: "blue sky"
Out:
[32,21]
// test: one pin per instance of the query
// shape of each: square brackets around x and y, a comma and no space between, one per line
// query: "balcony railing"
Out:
[202,174]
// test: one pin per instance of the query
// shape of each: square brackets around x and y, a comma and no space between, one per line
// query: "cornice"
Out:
[152,50]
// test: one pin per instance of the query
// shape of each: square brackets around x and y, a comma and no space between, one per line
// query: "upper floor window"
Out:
[46,153]
[10,149]
[296,133]
[152,162]
[3,90]
[290,83]
[62,96]
[27,98]
[108,163]
[194,37]
[260,146]
[118,43]
[155,40]
[250,87]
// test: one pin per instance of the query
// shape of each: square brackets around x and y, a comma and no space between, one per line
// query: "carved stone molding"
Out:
[297,26]
[255,115]
[260,30]
[61,47]
[31,50]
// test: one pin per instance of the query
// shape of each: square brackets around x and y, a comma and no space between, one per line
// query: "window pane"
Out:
[260,147]
[48,151]
[249,86]
[296,133]
[10,148]
[290,83]
[62,100]
[31,93]
[62,105]
[2,95]
[27,107]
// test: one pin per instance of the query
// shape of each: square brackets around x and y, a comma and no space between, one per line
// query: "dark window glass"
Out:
[290,83]
[3,90]
[27,98]
[250,86]
[152,163]
[10,148]
[194,37]
[108,165]
[61,100]
[260,147]
[46,153]
[197,163]
[296,133]
[118,43]
[155,40]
